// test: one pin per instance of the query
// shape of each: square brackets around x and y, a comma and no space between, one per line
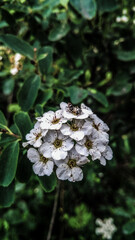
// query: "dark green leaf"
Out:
[18,45]
[24,169]
[8,163]
[126,56]
[7,195]
[45,63]
[129,227]
[44,96]
[5,139]
[100,97]
[8,86]
[48,183]
[28,93]
[23,122]
[107,6]
[77,95]
[87,8]
[58,32]
[2,118]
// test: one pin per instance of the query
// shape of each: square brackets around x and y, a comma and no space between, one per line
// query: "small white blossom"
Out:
[52,120]
[90,146]
[106,228]
[107,154]
[133,8]
[42,165]
[71,112]
[76,129]
[14,71]
[35,136]
[56,145]
[17,57]
[69,168]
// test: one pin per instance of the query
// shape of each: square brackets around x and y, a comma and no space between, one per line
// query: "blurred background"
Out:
[84,51]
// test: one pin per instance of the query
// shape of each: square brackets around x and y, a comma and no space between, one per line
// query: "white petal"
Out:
[58,114]
[38,168]
[82,150]
[67,144]
[83,160]
[77,135]
[77,174]
[103,161]
[48,168]
[63,105]
[108,154]
[59,154]
[46,149]
[51,136]
[63,172]
[25,144]
[65,129]
[38,142]
[33,155]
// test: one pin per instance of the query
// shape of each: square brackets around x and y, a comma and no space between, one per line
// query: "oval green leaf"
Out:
[17,44]
[28,93]
[45,63]
[8,163]
[48,183]
[3,120]
[7,195]
[129,227]
[23,122]
[77,94]
[87,8]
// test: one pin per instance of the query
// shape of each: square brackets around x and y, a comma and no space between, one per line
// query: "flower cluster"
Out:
[65,139]
[106,228]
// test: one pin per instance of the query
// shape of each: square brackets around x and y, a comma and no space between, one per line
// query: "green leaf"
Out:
[45,63]
[107,6]
[18,45]
[87,8]
[44,96]
[126,56]
[3,24]
[5,139]
[23,122]
[100,97]
[2,118]
[129,227]
[58,32]
[48,183]
[68,76]
[24,169]
[8,163]
[77,95]
[7,195]
[8,86]
[28,93]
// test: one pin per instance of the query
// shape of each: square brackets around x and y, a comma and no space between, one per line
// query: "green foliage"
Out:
[81,219]
[28,93]
[74,51]
[8,163]
[48,183]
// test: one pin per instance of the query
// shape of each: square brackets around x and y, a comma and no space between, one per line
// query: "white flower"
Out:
[90,146]
[42,166]
[133,8]
[70,112]
[69,168]
[86,109]
[52,120]
[56,145]
[14,71]
[76,129]
[107,154]
[35,136]
[17,57]
[106,228]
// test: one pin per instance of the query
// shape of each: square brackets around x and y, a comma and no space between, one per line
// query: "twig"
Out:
[53,212]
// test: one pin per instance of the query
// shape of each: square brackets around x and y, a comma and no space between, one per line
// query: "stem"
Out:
[53,212]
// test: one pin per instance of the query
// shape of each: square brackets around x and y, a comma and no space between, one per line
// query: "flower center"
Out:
[74,127]
[71,163]
[38,136]
[88,144]
[57,143]
[96,126]
[55,120]
[43,159]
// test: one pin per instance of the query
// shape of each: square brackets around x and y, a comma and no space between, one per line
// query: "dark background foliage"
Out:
[77,51]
